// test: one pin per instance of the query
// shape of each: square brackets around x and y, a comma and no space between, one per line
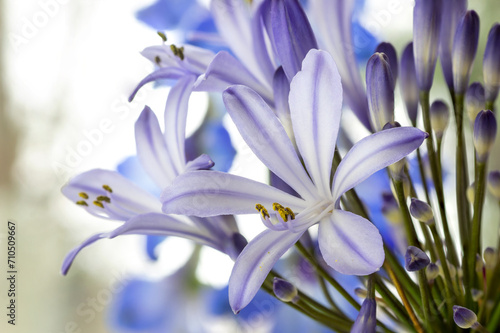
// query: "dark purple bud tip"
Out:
[284,290]
[485,133]
[392,56]
[415,259]
[464,317]
[494,183]
[474,100]
[440,115]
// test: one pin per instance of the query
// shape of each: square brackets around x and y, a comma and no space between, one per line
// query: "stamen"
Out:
[157,60]
[103,198]
[162,35]
[290,213]
[81,203]
[83,195]
[107,188]
[283,212]
[98,204]
[178,51]
[262,211]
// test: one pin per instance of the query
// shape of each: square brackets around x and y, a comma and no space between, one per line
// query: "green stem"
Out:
[438,185]
[411,234]
[423,176]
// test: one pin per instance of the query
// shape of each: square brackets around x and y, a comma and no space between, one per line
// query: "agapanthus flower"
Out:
[349,243]
[109,195]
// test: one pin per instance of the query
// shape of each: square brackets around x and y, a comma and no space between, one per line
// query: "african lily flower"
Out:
[109,195]
[349,243]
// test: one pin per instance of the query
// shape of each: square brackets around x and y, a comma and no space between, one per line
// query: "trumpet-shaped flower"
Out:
[348,242]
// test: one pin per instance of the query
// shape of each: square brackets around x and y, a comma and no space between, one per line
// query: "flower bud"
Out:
[415,259]
[426,30]
[479,264]
[440,115]
[490,258]
[380,90]
[464,317]
[491,64]
[392,57]
[471,193]
[474,100]
[284,290]
[476,294]
[408,83]
[421,211]
[366,320]
[390,209]
[494,183]
[431,271]
[464,50]
[485,132]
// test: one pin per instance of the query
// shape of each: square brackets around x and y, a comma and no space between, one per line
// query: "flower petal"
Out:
[159,74]
[202,162]
[70,257]
[350,244]
[281,89]
[267,138]
[152,149]
[373,153]
[255,262]
[315,107]
[210,193]
[164,225]
[125,201]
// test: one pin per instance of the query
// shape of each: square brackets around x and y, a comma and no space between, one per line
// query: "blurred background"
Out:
[67,68]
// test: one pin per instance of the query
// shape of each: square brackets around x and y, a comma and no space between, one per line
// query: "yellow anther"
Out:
[177,51]
[98,204]
[81,203]
[277,206]
[162,35]
[107,188]
[283,214]
[290,213]
[158,60]
[262,211]
[174,49]
[83,195]
[103,198]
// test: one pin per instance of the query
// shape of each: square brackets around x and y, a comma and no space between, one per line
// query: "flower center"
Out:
[99,201]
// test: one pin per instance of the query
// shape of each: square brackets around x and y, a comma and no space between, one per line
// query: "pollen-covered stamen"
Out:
[82,203]
[262,211]
[83,195]
[162,35]
[98,204]
[286,214]
[104,198]
[107,188]
[178,51]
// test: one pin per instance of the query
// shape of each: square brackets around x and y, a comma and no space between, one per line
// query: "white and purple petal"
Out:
[315,108]
[210,193]
[350,244]
[265,135]
[70,257]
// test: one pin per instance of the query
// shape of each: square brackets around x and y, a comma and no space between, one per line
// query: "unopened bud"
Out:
[380,90]
[440,116]
[494,183]
[476,294]
[490,258]
[421,211]
[390,209]
[408,83]
[366,320]
[464,317]
[491,64]
[432,271]
[474,100]
[392,56]
[485,132]
[415,259]
[479,264]
[284,290]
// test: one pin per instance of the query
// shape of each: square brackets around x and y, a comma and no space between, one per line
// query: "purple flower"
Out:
[349,243]
[366,320]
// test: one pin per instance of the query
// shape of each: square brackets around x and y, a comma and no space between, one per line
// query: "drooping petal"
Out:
[267,138]
[70,257]
[373,153]
[224,71]
[164,225]
[211,193]
[93,189]
[293,35]
[255,262]
[159,74]
[315,107]
[350,244]
[175,121]
[152,149]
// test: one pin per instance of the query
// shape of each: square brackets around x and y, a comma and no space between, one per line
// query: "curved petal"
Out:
[152,149]
[255,262]
[211,193]
[281,89]
[373,153]
[125,198]
[70,257]
[267,138]
[159,74]
[164,225]
[202,162]
[350,244]
[316,108]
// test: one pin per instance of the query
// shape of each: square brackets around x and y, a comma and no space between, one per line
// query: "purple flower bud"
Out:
[390,208]
[426,30]
[485,132]
[421,211]
[440,116]
[392,56]
[284,290]
[490,258]
[432,271]
[494,183]
[464,317]
[474,100]
[366,319]
[464,50]
[408,83]
[476,294]
[453,10]
[415,259]
[491,64]
[380,90]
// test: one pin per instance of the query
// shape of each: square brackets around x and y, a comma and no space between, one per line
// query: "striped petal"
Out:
[70,257]
[350,244]
[374,153]
[315,107]
[255,262]
[264,134]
